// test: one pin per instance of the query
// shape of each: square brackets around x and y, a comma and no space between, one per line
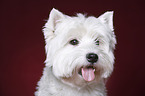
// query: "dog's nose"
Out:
[92,57]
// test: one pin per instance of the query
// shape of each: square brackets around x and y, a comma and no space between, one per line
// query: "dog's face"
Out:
[79,49]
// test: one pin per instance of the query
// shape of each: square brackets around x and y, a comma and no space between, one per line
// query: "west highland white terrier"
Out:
[79,55]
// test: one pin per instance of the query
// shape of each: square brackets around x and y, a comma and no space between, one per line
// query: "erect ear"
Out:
[54,18]
[107,18]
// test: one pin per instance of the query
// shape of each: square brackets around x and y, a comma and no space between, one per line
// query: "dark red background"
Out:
[22,44]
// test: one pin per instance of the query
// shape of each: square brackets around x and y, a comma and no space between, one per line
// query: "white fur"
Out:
[60,75]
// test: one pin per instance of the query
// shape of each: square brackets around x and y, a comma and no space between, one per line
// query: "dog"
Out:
[79,54]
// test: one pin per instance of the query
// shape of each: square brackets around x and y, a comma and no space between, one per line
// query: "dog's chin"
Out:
[83,76]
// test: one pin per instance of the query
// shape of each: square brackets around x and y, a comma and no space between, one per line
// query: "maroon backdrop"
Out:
[22,44]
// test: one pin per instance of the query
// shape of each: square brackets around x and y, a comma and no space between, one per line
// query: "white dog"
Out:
[79,53]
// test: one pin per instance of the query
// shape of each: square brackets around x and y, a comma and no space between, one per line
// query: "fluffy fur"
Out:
[64,62]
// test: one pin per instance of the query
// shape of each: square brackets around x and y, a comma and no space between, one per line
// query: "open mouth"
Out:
[88,72]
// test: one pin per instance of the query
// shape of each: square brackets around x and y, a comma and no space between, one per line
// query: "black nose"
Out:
[92,57]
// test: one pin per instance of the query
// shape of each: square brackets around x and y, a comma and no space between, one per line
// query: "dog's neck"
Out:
[51,85]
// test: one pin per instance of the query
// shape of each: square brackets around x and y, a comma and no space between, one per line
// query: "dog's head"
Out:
[80,49]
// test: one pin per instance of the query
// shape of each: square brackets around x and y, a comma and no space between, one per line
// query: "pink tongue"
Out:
[88,74]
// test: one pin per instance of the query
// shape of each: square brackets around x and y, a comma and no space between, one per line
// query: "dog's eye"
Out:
[97,42]
[74,42]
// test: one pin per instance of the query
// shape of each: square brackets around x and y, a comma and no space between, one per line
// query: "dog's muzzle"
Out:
[88,72]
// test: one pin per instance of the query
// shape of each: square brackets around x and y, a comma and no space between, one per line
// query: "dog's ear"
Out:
[107,18]
[55,17]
